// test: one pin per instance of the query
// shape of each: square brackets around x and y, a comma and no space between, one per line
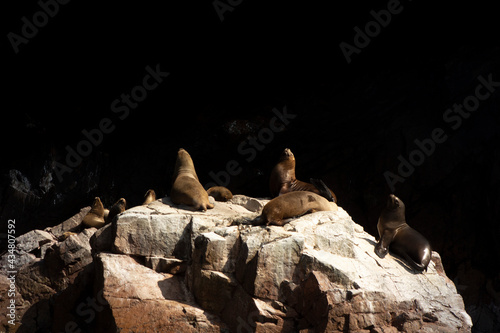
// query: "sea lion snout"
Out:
[287,153]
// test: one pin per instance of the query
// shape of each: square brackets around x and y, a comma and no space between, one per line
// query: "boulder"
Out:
[140,299]
[163,267]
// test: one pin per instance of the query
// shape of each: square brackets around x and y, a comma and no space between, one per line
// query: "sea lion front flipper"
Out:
[324,191]
[382,246]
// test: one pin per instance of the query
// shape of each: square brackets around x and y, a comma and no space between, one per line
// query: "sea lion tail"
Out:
[324,191]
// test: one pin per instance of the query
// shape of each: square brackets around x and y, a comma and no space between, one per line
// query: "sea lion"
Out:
[117,208]
[283,179]
[396,235]
[186,188]
[220,193]
[149,197]
[293,204]
[95,217]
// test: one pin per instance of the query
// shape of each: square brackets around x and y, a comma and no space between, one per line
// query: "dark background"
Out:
[352,120]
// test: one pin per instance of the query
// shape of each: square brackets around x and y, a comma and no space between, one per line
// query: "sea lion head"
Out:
[393,202]
[394,210]
[97,203]
[122,203]
[149,197]
[97,206]
[184,163]
[287,155]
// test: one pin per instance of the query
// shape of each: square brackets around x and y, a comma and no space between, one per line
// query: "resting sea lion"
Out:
[220,193]
[149,197]
[283,179]
[400,238]
[293,204]
[117,208]
[95,217]
[186,188]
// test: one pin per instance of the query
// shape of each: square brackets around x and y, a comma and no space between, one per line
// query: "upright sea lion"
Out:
[283,179]
[293,204]
[117,208]
[186,188]
[220,193]
[95,217]
[400,238]
[149,197]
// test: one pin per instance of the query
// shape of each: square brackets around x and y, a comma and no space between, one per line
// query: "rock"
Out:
[70,225]
[102,240]
[177,270]
[166,230]
[29,246]
[143,300]
[33,240]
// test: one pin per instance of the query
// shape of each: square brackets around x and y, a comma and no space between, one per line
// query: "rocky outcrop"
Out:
[166,268]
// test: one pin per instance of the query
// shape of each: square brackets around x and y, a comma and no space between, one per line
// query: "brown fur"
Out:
[117,208]
[95,217]
[396,235]
[294,204]
[149,197]
[186,188]
[220,193]
[283,178]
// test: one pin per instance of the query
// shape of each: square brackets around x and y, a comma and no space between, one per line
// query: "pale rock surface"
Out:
[166,268]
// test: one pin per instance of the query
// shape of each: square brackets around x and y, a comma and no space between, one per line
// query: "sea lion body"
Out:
[149,197]
[283,179]
[117,208]
[396,235]
[186,188]
[220,193]
[95,217]
[294,204]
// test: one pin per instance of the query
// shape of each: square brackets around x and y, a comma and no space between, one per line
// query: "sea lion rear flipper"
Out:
[324,191]
[415,265]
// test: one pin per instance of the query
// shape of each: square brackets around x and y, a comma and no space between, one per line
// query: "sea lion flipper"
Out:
[324,191]
[382,246]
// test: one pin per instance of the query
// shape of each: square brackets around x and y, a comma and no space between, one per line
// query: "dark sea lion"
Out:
[220,193]
[396,235]
[117,208]
[149,197]
[95,217]
[293,204]
[283,179]
[186,188]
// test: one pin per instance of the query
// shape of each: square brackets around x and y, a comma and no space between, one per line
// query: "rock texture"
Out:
[166,268]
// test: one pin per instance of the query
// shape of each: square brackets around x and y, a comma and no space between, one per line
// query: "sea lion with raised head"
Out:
[293,204]
[186,188]
[117,208]
[149,197]
[397,236]
[220,193]
[95,217]
[283,179]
